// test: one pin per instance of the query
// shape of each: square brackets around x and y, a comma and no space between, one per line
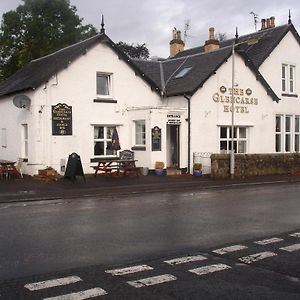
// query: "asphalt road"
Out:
[57,239]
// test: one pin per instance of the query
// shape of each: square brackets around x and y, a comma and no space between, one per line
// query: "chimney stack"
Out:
[212,43]
[268,23]
[176,44]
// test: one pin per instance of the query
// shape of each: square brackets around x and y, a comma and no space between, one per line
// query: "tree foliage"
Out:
[138,51]
[221,36]
[37,28]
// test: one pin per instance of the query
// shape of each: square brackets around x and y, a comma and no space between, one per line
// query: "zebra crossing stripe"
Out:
[291,248]
[87,294]
[256,257]
[129,270]
[229,249]
[210,269]
[269,241]
[184,260]
[52,283]
[296,234]
[152,280]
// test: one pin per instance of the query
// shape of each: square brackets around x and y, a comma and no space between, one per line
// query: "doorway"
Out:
[173,146]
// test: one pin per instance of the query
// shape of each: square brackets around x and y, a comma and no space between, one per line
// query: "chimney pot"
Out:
[263,24]
[211,35]
[268,23]
[272,22]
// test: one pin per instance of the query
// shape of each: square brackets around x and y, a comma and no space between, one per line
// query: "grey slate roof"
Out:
[160,75]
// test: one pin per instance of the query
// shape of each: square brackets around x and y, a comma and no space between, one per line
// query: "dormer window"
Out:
[183,72]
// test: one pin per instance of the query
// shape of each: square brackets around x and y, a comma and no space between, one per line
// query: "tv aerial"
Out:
[255,17]
[21,101]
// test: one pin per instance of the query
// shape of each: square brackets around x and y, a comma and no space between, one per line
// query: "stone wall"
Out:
[255,164]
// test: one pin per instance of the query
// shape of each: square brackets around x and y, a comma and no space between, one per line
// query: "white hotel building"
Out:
[164,110]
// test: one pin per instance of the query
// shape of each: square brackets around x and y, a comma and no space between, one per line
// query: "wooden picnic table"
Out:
[120,165]
[8,168]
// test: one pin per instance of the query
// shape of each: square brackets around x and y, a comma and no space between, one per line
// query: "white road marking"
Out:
[129,270]
[291,248]
[230,249]
[152,280]
[184,260]
[52,283]
[269,241]
[256,257]
[210,269]
[87,294]
[296,234]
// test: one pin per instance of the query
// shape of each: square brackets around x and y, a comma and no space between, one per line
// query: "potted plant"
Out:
[197,169]
[159,168]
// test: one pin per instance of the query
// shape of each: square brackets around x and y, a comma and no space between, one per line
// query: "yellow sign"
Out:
[242,99]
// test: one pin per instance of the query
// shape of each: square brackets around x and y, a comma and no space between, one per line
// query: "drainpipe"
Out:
[189,131]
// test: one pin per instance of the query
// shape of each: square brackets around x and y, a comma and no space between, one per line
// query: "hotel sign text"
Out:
[242,99]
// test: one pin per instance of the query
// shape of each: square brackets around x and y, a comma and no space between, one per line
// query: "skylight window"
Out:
[183,72]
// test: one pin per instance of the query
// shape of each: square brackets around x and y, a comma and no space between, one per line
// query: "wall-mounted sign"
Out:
[242,99]
[61,119]
[174,119]
[156,138]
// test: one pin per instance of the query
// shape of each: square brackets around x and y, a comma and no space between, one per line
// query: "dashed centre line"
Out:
[152,280]
[256,257]
[52,283]
[269,241]
[291,248]
[129,270]
[184,260]
[87,294]
[229,249]
[210,269]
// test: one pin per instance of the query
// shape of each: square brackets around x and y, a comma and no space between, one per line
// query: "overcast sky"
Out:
[152,21]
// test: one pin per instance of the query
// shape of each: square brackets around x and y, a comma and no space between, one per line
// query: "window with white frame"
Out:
[287,135]
[102,140]
[288,78]
[140,133]
[240,139]
[297,134]
[24,140]
[104,85]
[3,138]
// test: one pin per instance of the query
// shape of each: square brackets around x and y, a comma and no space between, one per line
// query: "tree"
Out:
[37,28]
[138,51]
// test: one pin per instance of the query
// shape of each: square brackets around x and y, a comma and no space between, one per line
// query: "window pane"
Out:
[242,132]
[230,132]
[223,145]
[291,86]
[108,149]
[278,124]
[109,132]
[278,143]
[98,133]
[288,143]
[102,84]
[291,72]
[140,132]
[223,133]
[297,142]
[99,148]
[242,147]
[288,124]
[297,124]
[283,71]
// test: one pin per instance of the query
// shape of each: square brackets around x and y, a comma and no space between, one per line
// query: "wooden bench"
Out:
[127,163]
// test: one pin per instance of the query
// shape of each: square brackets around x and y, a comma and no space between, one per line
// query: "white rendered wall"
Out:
[207,115]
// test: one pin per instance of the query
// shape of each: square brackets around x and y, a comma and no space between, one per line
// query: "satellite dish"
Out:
[21,101]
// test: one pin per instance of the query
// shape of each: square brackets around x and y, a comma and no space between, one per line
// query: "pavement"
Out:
[31,189]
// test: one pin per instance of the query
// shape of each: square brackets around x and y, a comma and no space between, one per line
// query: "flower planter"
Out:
[159,172]
[197,173]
